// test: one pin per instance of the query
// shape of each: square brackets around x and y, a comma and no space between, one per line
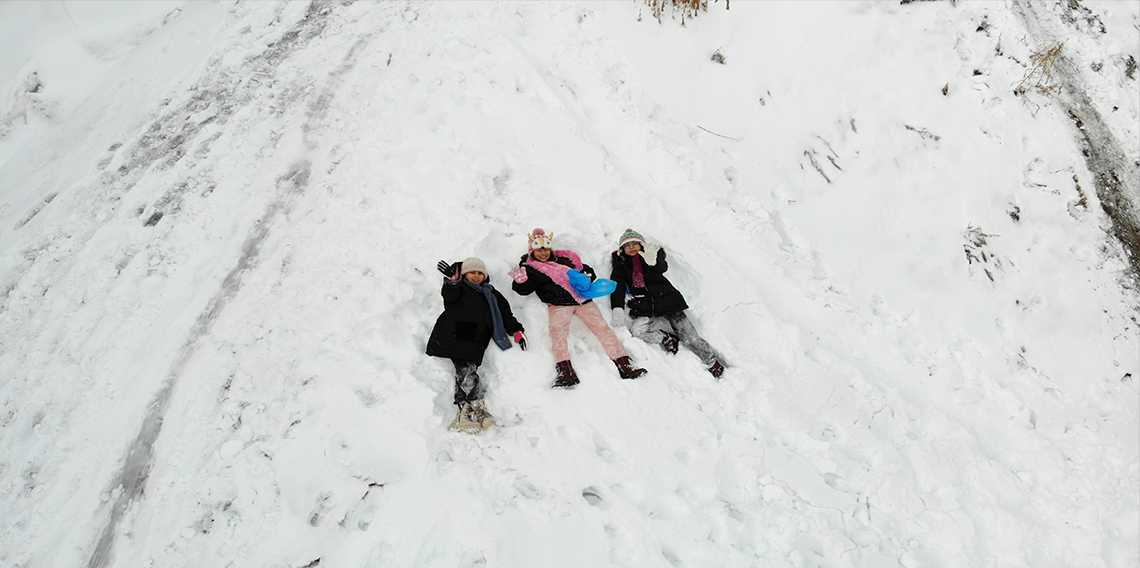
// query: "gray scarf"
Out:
[498,332]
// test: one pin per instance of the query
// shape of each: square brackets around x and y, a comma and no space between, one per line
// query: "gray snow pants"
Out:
[653,330]
[468,387]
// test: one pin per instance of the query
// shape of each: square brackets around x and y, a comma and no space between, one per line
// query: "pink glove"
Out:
[520,338]
[518,274]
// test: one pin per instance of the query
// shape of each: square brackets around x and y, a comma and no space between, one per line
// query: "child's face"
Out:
[542,255]
[631,248]
[475,277]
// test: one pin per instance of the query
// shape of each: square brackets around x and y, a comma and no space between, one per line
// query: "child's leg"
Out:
[592,317]
[559,331]
[468,387]
[649,329]
[687,333]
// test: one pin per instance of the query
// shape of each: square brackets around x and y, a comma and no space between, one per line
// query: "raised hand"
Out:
[649,253]
[451,274]
[518,274]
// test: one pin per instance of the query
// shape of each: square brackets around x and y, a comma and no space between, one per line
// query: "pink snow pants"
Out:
[591,316]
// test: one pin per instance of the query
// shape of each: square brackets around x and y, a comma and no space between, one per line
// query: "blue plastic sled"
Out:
[590,289]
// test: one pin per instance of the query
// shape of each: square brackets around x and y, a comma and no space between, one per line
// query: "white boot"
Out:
[479,412]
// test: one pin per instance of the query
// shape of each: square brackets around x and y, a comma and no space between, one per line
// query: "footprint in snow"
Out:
[603,447]
[321,509]
[593,496]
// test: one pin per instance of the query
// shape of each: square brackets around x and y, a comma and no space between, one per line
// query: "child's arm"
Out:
[617,299]
[510,324]
[450,272]
[527,286]
[655,258]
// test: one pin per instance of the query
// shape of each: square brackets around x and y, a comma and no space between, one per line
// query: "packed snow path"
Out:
[218,279]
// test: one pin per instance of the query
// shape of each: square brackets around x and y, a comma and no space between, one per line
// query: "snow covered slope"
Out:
[218,230]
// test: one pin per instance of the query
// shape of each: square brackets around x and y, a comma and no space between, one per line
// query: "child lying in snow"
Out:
[474,313]
[557,275]
[657,308]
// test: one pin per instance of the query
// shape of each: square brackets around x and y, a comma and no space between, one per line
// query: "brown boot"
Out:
[566,376]
[669,343]
[626,368]
[717,369]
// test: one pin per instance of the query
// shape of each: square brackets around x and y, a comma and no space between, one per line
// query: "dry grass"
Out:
[1083,201]
[686,8]
[923,133]
[976,245]
[1042,75]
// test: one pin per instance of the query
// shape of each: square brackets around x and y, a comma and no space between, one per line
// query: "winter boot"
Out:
[566,376]
[626,368]
[717,369]
[464,421]
[479,412]
[669,343]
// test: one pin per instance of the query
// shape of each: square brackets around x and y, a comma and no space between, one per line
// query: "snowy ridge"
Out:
[217,264]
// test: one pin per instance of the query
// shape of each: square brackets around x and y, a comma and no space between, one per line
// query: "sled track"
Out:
[1114,177]
[158,147]
[131,480]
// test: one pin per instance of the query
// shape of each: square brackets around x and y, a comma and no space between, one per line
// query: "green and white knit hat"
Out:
[631,236]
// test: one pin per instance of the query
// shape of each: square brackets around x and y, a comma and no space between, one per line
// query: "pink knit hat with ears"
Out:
[539,239]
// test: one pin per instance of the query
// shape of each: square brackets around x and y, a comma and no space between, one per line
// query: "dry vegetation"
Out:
[976,251]
[1042,75]
[686,8]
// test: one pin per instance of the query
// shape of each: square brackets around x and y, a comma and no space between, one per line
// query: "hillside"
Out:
[219,224]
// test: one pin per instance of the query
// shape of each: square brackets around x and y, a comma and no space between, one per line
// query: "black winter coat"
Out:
[657,298]
[465,327]
[549,291]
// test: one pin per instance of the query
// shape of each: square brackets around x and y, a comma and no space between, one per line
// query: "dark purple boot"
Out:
[626,368]
[566,376]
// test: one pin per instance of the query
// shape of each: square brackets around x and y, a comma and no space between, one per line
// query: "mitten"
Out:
[649,253]
[449,273]
[619,318]
[520,338]
[518,274]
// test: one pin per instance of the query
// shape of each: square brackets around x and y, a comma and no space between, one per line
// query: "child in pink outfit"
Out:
[545,271]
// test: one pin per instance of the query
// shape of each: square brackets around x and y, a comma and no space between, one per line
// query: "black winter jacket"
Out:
[465,327]
[657,298]
[549,291]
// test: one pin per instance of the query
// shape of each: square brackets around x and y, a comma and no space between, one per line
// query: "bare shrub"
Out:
[687,8]
[1042,75]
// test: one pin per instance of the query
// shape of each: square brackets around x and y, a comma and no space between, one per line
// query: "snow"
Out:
[219,224]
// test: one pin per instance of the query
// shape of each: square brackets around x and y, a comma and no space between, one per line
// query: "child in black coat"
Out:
[657,308]
[474,313]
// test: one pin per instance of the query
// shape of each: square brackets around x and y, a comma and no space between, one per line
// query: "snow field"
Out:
[888,403]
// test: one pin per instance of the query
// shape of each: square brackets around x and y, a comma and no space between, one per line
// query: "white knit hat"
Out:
[473,265]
